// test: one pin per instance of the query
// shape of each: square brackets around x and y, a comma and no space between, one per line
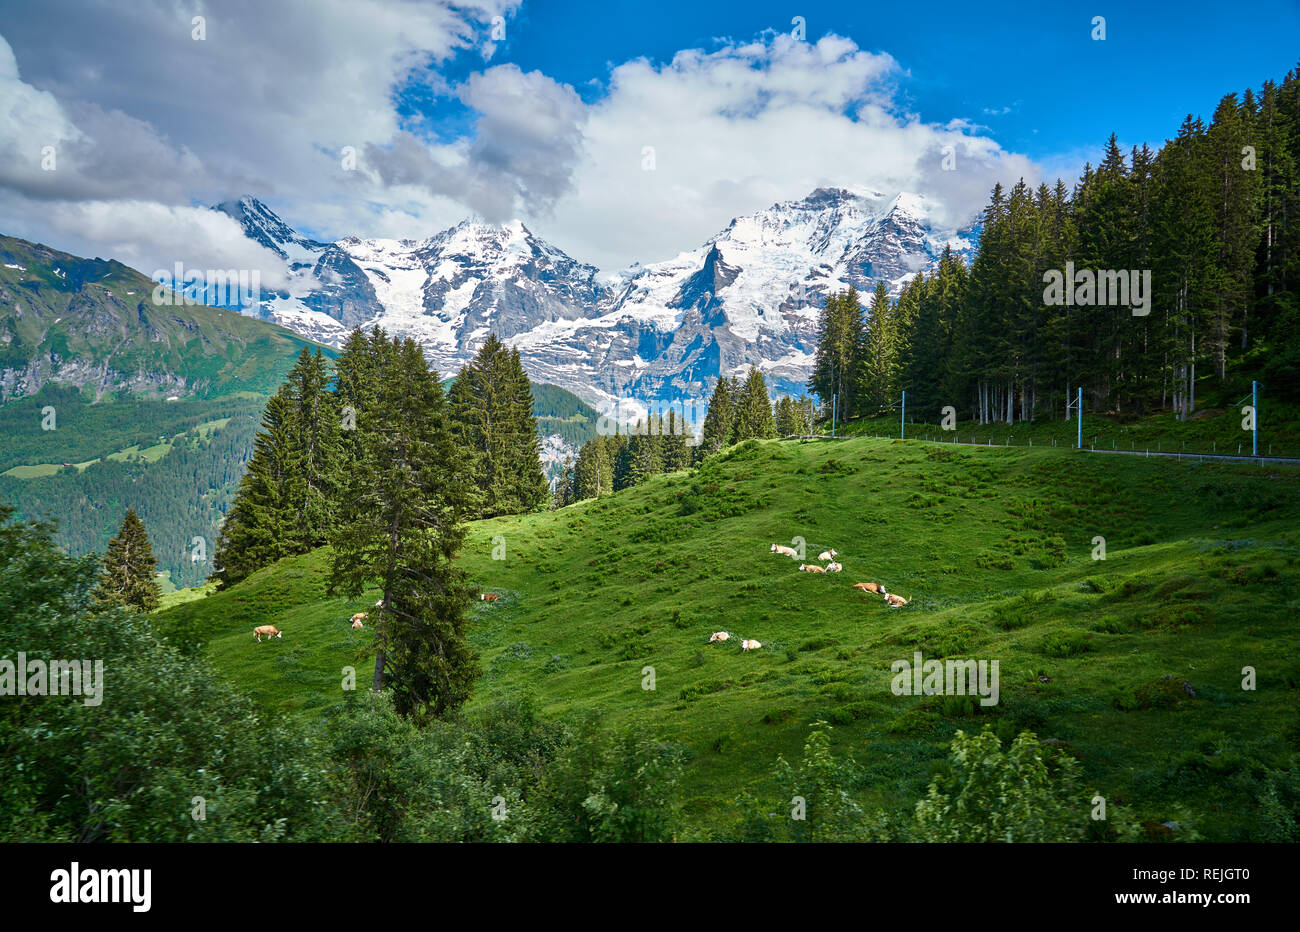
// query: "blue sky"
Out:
[1029,71]
[594,121]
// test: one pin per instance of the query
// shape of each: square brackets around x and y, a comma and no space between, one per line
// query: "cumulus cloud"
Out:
[139,111]
[526,145]
[152,237]
[149,124]
[744,126]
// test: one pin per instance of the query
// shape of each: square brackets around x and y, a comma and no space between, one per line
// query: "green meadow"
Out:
[1134,662]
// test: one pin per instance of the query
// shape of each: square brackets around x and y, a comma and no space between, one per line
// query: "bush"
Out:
[1029,793]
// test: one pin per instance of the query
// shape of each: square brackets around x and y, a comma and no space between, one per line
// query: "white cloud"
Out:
[744,126]
[149,237]
[149,123]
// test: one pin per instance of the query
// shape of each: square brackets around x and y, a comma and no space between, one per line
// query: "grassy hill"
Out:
[1135,661]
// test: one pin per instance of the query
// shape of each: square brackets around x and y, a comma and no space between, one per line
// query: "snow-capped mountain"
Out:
[750,296]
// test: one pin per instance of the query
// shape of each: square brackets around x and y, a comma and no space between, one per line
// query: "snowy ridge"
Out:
[749,296]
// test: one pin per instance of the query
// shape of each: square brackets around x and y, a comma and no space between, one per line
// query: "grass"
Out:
[993,546]
[1212,430]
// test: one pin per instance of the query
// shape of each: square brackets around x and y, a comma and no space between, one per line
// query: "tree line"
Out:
[657,444]
[1213,216]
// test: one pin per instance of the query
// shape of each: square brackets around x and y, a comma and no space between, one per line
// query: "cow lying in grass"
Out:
[750,645]
[269,630]
[489,597]
[895,601]
[834,567]
[719,636]
[785,551]
[357,618]
[357,624]
[811,568]
[828,554]
[876,588]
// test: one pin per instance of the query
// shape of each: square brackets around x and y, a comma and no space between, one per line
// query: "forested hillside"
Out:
[1186,270]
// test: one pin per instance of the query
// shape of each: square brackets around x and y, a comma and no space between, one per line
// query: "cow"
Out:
[811,568]
[269,630]
[718,636]
[895,601]
[834,567]
[357,617]
[357,624]
[489,597]
[827,555]
[379,604]
[871,587]
[750,645]
[785,551]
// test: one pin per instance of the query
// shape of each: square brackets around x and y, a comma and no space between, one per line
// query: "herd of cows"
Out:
[828,558]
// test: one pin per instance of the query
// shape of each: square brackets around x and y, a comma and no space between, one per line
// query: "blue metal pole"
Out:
[1078,416]
[833,397]
[902,433]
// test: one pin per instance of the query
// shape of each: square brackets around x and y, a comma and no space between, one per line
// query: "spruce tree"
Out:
[127,575]
[491,409]
[401,522]
[718,420]
[262,523]
[676,455]
[753,409]
[315,430]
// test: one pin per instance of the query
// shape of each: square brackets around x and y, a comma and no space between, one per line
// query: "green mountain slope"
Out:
[560,412]
[93,323]
[1135,661]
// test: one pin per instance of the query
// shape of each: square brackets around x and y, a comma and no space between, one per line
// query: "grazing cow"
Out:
[871,587]
[489,597]
[834,567]
[827,555]
[896,601]
[358,624]
[784,551]
[719,636]
[750,645]
[811,568]
[269,630]
[357,617]
[379,604]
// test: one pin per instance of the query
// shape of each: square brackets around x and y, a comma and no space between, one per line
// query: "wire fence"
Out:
[1008,441]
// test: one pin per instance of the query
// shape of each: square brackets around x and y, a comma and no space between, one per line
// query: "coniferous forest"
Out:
[1213,215]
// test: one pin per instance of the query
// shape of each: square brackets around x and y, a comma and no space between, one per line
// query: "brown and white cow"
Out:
[896,601]
[357,624]
[871,587]
[719,636]
[749,645]
[357,617]
[784,550]
[271,631]
[489,597]
[811,568]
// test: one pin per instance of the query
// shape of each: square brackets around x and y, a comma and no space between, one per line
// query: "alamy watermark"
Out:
[229,288]
[1099,288]
[921,677]
[38,677]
